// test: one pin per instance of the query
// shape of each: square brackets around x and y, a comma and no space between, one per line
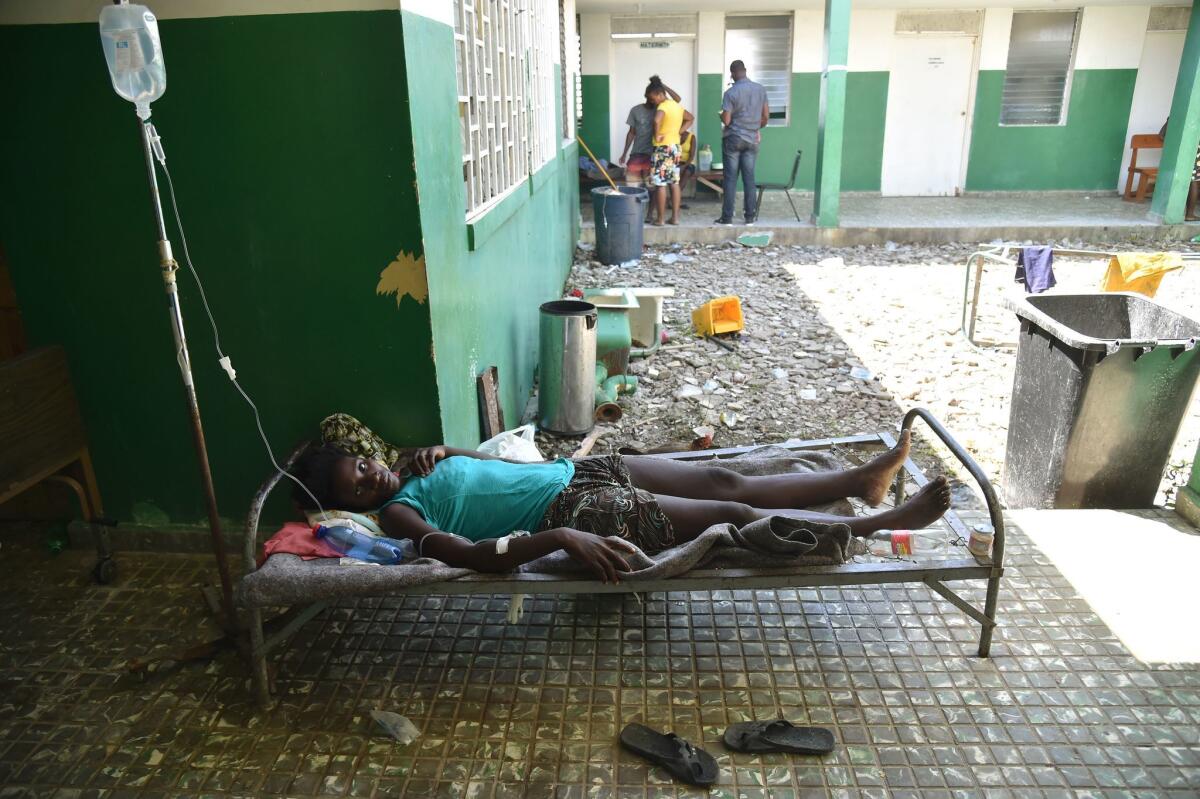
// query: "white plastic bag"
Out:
[515,445]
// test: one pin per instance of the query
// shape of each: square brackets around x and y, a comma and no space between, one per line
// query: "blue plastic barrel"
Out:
[619,220]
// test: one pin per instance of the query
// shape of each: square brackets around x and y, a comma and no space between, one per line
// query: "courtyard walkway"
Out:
[871,219]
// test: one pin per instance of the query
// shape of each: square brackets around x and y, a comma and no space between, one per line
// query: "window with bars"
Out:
[504,54]
[1038,75]
[764,43]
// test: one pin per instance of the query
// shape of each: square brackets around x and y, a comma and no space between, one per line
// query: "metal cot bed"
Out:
[934,573]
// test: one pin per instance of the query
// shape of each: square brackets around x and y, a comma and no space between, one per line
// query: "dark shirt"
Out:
[744,101]
[641,119]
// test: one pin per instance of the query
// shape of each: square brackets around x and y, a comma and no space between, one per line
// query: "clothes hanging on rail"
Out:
[1035,268]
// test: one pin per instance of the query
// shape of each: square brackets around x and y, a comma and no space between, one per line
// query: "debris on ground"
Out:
[837,341]
[397,726]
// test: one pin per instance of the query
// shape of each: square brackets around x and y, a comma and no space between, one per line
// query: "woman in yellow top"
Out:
[671,121]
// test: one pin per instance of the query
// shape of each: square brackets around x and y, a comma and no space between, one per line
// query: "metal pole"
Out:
[169,266]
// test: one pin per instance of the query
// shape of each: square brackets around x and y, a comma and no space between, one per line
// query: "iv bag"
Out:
[129,35]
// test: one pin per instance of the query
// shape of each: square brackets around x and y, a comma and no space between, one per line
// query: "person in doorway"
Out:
[671,122]
[639,141]
[744,112]
[687,163]
[472,510]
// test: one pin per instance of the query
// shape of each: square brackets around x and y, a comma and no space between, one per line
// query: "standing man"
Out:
[744,111]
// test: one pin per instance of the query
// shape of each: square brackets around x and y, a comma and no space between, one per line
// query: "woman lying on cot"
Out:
[471,510]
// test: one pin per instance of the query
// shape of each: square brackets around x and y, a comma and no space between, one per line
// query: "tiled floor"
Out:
[533,709]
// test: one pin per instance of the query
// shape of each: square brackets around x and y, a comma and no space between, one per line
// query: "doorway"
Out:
[926,125]
[634,61]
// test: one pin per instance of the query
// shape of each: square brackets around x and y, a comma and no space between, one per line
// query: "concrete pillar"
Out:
[1183,134]
[832,113]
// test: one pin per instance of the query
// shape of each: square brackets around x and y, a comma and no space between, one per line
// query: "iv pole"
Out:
[169,267]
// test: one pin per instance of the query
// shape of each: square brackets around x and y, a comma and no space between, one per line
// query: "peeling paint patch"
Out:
[405,276]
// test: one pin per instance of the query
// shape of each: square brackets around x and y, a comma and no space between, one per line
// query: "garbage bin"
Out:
[620,217]
[567,366]
[1101,386]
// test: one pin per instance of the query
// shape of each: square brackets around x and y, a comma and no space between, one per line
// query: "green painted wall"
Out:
[484,302]
[866,108]
[593,128]
[1084,154]
[294,175]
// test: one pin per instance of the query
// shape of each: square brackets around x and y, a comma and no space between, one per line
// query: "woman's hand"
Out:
[424,459]
[600,555]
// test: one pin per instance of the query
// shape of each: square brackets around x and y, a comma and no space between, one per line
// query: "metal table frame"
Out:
[999,254]
[934,574]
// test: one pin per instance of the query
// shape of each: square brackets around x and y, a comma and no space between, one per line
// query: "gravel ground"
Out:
[837,342]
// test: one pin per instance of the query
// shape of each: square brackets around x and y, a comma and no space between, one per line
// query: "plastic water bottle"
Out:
[705,157]
[888,543]
[373,549]
[129,36]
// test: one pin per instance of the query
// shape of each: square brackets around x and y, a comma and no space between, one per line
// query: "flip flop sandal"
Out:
[676,755]
[778,736]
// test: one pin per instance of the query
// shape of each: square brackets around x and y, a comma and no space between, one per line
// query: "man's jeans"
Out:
[737,153]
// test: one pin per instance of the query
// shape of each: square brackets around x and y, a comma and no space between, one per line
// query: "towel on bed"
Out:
[767,543]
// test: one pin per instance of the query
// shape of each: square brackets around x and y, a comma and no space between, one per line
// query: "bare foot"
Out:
[878,474]
[673,221]
[924,508]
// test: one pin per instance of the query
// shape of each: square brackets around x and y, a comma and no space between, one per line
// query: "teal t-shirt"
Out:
[480,499]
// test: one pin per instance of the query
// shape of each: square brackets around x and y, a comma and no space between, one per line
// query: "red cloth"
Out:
[296,538]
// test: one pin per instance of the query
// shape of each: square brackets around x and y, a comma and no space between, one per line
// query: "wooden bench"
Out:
[42,438]
[1146,175]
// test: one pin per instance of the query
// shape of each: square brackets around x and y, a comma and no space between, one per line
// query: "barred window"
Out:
[764,43]
[504,54]
[1038,74]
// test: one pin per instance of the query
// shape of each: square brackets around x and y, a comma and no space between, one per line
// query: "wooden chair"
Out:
[42,438]
[786,188]
[1146,175]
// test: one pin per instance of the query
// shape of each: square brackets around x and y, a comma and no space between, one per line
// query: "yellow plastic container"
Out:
[722,315]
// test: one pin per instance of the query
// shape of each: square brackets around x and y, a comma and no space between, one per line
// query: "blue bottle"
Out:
[373,549]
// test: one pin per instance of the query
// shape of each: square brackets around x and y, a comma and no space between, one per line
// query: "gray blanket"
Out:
[289,580]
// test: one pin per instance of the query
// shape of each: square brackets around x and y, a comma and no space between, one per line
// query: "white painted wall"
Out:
[1157,73]
[993,44]
[1111,37]
[710,43]
[595,31]
[808,41]
[872,33]
[434,9]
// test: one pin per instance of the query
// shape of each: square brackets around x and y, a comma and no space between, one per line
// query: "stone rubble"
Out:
[836,342]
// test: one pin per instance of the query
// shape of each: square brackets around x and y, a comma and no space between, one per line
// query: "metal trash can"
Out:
[567,366]
[620,220]
[1101,386]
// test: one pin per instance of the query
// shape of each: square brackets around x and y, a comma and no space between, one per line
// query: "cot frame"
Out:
[932,574]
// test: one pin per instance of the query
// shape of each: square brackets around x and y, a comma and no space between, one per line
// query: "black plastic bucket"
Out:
[619,220]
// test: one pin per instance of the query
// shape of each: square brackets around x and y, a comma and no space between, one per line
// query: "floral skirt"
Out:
[665,168]
[602,499]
